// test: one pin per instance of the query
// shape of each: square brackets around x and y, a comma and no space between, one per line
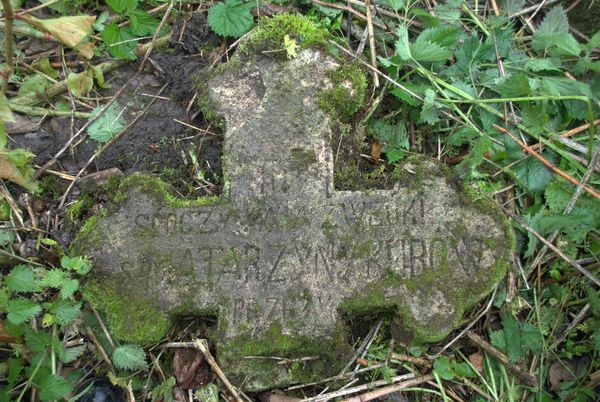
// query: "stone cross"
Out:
[282,258]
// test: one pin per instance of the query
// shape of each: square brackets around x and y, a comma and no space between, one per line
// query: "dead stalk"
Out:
[8,41]
[372,48]
[518,370]
[544,161]
[552,247]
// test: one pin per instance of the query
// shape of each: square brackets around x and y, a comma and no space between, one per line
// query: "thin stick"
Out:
[531,8]
[38,7]
[571,132]
[471,324]
[77,134]
[372,48]
[576,321]
[378,393]
[201,345]
[519,371]
[546,163]
[359,388]
[155,36]
[109,143]
[337,377]
[569,207]
[353,11]
[553,248]
[8,40]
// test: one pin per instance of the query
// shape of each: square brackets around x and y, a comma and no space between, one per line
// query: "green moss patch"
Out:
[130,319]
[348,93]
[270,33]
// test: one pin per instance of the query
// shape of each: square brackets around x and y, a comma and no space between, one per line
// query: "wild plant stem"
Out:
[8,40]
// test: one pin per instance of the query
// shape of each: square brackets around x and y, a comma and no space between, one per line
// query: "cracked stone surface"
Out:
[283,257]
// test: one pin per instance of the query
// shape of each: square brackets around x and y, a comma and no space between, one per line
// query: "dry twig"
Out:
[523,374]
[544,161]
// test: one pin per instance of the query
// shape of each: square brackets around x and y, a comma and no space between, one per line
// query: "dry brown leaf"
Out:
[5,337]
[9,172]
[71,30]
[559,372]
[191,369]
[376,150]
[476,360]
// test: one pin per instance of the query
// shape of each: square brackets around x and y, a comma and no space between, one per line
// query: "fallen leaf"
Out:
[190,368]
[5,337]
[376,150]
[277,396]
[71,31]
[476,360]
[80,84]
[560,371]
[10,171]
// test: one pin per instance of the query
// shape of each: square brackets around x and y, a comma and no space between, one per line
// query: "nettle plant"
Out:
[41,317]
[36,306]
[121,40]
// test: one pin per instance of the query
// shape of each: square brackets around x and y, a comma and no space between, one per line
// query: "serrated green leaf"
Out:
[119,41]
[597,339]
[230,18]
[402,44]
[22,279]
[449,12]
[445,36]
[515,85]
[594,300]
[78,264]
[443,368]
[537,65]
[513,338]
[54,387]
[593,43]
[462,135]
[129,357]
[392,4]
[21,310]
[54,278]
[532,219]
[68,288]
[121,6]
[37,341]
[65,311]
[512,6]
[532,174]
[429,112]
[164,391]
[468,167]
[142,23]
[425,51]
[553,34]
[15,367]
[404,96]
[109,124]
[498,340]
[531,338]
[71,354]
[393,138]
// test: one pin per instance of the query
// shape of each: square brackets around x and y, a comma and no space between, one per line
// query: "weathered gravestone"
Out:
[283,257]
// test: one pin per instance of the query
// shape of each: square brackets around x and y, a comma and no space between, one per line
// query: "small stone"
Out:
[283,258]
